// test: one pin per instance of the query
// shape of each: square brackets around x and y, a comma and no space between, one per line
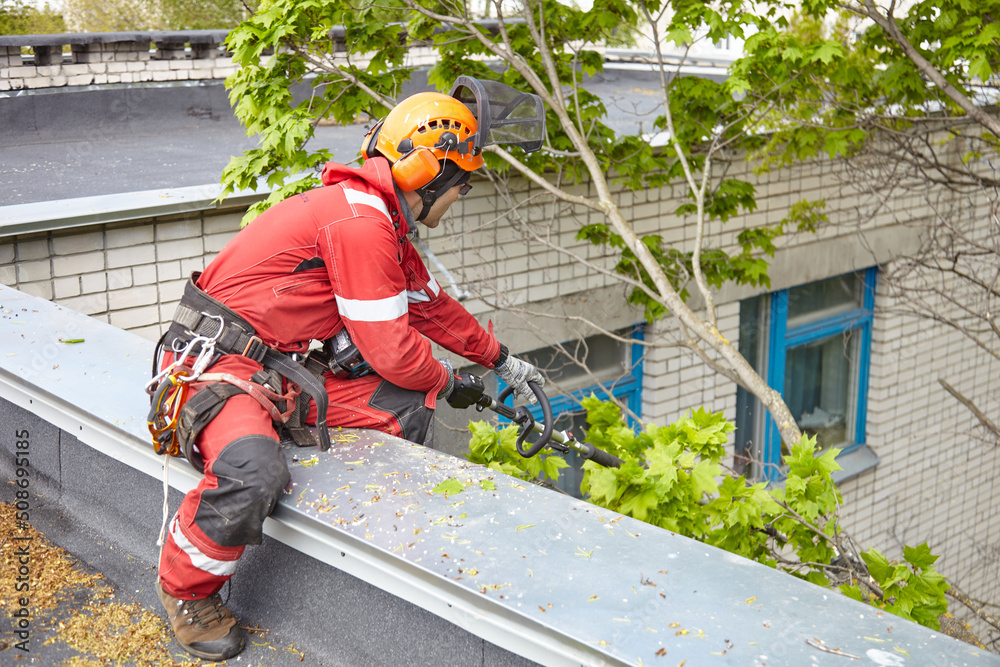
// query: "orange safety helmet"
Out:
[420,133]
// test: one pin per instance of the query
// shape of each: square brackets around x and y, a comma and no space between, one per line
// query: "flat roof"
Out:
[70,142]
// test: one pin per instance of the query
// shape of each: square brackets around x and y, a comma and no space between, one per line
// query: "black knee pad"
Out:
[252,474]
[407,406]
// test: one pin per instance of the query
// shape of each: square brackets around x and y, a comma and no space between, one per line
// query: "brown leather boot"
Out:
[205,627]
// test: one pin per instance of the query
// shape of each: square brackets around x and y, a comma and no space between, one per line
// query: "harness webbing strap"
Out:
[198,313]
[295,427]
[268,399]
[199,410]
[309,384]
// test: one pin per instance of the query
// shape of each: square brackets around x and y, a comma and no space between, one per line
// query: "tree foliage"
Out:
[99,16]
[674,477]
[203,14]
[905,96]
[17,17]
[125,15]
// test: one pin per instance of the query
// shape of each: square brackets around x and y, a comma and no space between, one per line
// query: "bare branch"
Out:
[980,415]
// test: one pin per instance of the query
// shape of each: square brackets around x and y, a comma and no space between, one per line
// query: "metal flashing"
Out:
[46,216]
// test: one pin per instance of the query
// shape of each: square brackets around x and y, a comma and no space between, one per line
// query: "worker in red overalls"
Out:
[334,264]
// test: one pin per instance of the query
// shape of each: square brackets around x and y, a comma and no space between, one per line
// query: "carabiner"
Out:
[180,356]
[207,352]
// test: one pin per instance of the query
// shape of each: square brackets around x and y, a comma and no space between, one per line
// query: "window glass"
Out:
[574,423]
[823,299]
[752,345]
[799,341]
[605,358]
[819,388]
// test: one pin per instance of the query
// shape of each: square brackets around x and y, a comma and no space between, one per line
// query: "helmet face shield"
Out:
[504,115]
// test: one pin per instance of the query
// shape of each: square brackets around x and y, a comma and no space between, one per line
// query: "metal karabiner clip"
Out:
[181,354]
[206,354]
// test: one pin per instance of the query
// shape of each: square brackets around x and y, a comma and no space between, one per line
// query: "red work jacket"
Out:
[338,256]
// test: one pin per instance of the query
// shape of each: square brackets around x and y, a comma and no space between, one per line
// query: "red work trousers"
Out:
[246,473]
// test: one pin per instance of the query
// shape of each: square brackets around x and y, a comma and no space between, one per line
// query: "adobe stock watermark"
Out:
[21,615]
[46,350]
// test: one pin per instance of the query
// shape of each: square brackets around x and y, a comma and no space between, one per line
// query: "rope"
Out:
[166,506]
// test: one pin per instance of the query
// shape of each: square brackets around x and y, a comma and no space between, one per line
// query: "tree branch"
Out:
[986,422]
[888,23]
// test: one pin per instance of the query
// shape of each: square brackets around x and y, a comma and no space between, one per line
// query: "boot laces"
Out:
[204,612]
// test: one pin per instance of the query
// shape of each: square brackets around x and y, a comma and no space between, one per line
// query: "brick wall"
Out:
[128,274]
[936,479]
[126,58]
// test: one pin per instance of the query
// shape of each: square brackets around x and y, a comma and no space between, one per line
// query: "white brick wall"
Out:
[936,480]
[129,274]
[113,67]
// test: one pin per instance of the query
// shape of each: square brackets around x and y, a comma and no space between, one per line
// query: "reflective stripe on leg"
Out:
[205,563]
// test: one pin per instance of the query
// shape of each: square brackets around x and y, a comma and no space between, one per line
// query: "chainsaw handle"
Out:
[529,422]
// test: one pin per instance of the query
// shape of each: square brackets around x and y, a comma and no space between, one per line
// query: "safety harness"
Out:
[205,329]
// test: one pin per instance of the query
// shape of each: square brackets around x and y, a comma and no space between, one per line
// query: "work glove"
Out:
[446,390]
[518,373]
[463,389]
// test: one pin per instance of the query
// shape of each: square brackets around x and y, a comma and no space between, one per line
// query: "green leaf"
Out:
[703,477]
[551,465]
[487,485]
[449,487]
[603,485]
[827,51]
[878,565]
[679,35]
[980,68]
[638,504]
[920,556]
[853,592]
[660,460]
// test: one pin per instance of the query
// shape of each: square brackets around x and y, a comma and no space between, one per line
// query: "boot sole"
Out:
[225,655]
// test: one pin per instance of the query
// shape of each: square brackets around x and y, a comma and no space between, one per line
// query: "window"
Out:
[611,367]
[812,344]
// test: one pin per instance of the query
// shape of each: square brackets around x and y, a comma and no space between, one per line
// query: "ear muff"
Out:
[415,170]
[368,149]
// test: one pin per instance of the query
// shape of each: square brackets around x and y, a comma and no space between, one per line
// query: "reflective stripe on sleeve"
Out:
[358,197]
[220,568]
[433,284]
[419,296]
[373,310]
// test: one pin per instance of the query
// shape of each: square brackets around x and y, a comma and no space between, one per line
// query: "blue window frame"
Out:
[618,367]
[812,343]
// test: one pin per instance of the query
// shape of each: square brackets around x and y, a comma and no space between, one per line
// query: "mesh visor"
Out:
[505,115]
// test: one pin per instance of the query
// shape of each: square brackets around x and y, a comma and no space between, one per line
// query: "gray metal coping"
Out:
[545,576]
[128,206]
[211,36]
[158,36]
